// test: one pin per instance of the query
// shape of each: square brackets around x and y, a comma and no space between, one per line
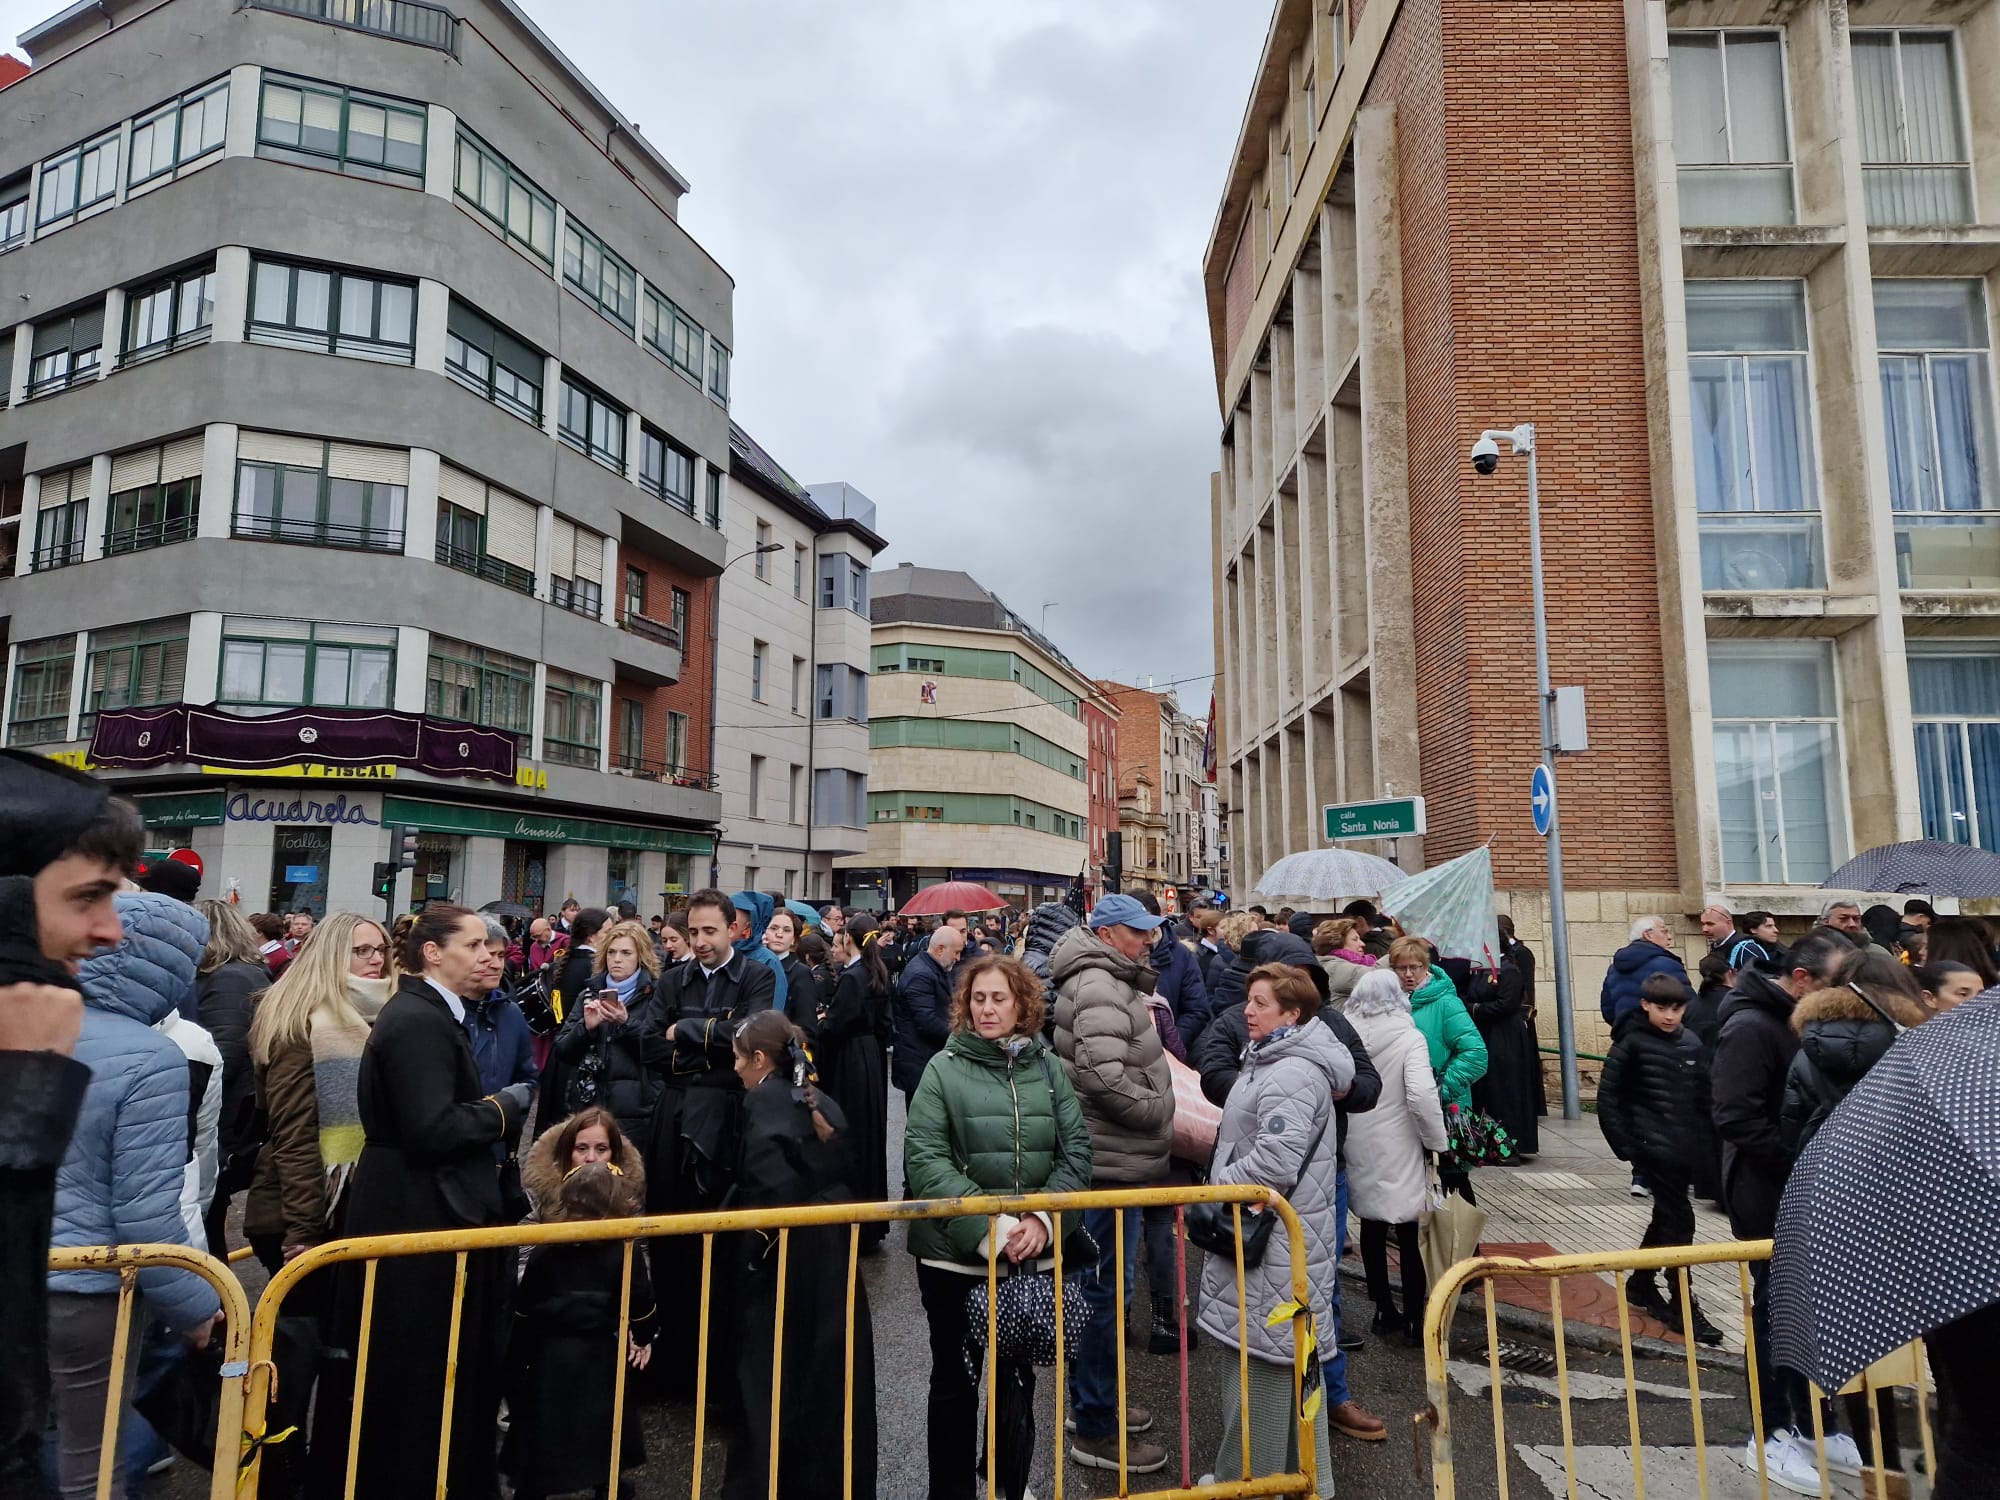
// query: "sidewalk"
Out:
[1575,1198]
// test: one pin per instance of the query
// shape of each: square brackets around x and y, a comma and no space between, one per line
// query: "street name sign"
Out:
[1396,818]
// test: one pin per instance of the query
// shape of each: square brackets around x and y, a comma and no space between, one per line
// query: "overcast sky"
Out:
[967,245]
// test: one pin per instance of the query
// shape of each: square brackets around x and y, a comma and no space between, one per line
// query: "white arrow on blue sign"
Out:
[1542,793]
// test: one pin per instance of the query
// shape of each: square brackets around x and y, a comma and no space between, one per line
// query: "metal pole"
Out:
[1558,919]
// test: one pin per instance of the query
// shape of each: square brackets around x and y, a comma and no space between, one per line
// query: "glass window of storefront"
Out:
[300,859]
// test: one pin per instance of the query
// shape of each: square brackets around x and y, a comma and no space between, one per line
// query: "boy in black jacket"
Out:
[1652,1104]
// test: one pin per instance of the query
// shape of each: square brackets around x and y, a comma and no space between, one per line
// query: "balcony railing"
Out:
[508,575]
[1760,551]
[1948,549]
[149,534]
[1917,196]
[652,630]
[565,753]
[405,20]
[665,772]
[319,533]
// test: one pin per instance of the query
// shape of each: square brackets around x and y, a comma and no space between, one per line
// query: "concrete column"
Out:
[24,359]
[218,480]
[604,727]
[612,580]
[113,348]
[232,294]
[203,675]
[124,162]
[440,152]
[7,687]
[545,545]
[541,691]
[239,130]
[413,654]
[34,198]
[420,506]
[98,509]
[79,681]
[433,307]
[485,865]
[551,393]
[632,426]
[30,523]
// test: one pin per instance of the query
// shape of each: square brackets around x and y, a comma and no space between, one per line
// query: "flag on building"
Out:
[928,691]
[1208,742]
[1451,904]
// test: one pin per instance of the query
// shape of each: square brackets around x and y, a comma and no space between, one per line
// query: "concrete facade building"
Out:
[979,755]
[1158,771]
[1736,261]
[791,690]
[365,410]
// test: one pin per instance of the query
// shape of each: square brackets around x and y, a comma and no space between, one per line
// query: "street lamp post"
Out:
[1485,459]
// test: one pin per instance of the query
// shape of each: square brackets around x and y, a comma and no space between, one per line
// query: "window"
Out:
[592,423]
[59,522]
[1937,402]
[1955,698]
[756,786]
[715,498]
[576,569]
[43,671]
[673,335]
[631,752]
[666,469]
[570,706]
[285,663]
[763,561]
[757,650]
[677,737]
[155,497]
[406,20]
[485,531]
[798,571]
[1756,473]
[169,314]
[678,617]
[718,371]
[179,134]
[1915,163]
[77,182]
[1777,761]
[134,666]
[478,686]
[635,590]
[1731,136]
[799,685]
[792,795]
[13,213]
[65,350]
[841,692]
[333,312]
[599,276]
[843,583]
[364,135]
[486,181]
[320,494]
[489,361]
[840,797]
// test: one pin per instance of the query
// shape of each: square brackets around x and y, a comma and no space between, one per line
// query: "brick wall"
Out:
[1522,303]
[694,694]
[1138,739]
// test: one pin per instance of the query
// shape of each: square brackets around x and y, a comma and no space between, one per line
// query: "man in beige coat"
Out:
[1107,1040]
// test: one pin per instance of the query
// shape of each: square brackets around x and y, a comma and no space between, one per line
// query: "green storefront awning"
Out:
[181,809]
[540,827]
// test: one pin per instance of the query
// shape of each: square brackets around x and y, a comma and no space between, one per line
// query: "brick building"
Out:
[1100,723]
[1158,767]
[1735,262]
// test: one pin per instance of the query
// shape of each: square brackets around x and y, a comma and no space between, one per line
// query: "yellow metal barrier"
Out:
[1906,1367]
[373,1251]
[126,1261]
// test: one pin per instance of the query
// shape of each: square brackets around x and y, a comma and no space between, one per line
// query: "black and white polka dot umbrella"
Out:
[1890,1226]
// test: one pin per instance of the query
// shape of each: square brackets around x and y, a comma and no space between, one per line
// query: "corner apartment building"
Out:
[791,692]
[979,752]
[363,449]
[1736,262]
[1159,757]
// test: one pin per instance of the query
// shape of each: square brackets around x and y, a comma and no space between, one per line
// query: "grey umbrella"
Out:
[507,909]
[1921,867]
[1888,1225]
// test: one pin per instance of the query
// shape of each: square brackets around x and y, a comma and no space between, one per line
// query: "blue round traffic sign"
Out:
[1542,794]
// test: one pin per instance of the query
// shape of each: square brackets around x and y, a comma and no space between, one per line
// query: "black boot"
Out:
[1387,1320]
[1642,1290]
[1694,1325]
[1166,1335]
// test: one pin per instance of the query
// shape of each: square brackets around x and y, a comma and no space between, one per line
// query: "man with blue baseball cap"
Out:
[1118,1067]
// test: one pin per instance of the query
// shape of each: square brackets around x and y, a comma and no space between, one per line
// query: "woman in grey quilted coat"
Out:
[1278,1130]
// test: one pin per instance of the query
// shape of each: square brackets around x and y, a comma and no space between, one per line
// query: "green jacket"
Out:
[985,1121]
[1458,1055]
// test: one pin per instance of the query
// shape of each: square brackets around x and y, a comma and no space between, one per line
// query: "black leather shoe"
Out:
[1385,1323]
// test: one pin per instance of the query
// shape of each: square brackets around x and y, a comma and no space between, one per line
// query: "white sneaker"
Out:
[1787,1464]
[1842,1455]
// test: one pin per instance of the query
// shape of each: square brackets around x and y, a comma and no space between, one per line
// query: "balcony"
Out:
[652,629]
[492,569]
[664,772]
[1947,549]
[1761,551]
[405,20]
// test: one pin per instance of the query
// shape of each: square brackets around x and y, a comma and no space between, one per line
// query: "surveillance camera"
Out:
[1485,455]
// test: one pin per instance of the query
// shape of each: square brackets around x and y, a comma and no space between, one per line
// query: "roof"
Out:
[756,462]
[12,70]
[948,596]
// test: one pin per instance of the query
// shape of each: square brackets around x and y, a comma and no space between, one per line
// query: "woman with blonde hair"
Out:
[228,980]
[598,1054]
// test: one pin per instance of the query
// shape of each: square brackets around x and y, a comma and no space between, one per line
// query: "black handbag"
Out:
[1211,1227]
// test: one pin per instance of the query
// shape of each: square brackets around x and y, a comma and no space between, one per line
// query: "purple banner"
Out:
[139,738]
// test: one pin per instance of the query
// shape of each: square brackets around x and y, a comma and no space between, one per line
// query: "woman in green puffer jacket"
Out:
[994,1113]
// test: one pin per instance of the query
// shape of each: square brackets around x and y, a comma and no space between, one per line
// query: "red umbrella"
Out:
[952,895]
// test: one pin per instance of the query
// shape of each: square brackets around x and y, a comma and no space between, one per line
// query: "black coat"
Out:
[923,1017]
[1704,1013]
[1754,1047]
[692,1145]
[781,1161]
[575,979]
[803,993]
[225,1003]
[1220,1058]
[1841,1036]
[1499,1008]
[615,1067]
[1652,1099]
[428,1164]
[854,1073]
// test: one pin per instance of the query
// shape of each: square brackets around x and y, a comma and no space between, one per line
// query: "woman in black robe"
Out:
[802,990]
[428,1164]
[793,1150]
[1499,1008]
[853,1070]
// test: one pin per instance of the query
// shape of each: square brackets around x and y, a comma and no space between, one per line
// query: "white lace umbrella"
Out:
[1329,874]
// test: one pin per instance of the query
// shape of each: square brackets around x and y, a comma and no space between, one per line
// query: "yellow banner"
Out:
[311,772]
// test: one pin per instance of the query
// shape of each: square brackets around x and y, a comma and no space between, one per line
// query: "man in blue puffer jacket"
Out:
[1650,952]
[120,1182]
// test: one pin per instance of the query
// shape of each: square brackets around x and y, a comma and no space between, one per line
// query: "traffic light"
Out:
[404,846]
[1114,863]
[385,880]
